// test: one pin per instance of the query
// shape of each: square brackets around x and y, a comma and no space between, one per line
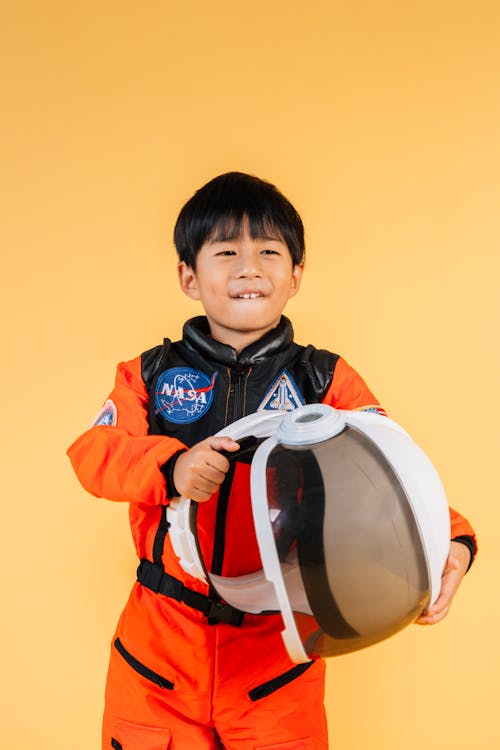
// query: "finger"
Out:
[450,580]
[429,618]
[444,599]
[214,472]
[216,466]
[440,606]
[198,488]
[199,495]
[217,456]
[223,444]
[439,609]
[204,476]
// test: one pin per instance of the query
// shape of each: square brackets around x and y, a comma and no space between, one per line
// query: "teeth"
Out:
[249,296]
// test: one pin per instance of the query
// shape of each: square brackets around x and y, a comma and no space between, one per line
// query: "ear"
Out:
[187,280]
[296,279]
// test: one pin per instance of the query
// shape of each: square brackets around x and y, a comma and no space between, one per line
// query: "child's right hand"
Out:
[200,471]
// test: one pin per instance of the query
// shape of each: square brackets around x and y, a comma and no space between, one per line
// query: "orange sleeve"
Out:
[348,390]
[117,459]
[460,526]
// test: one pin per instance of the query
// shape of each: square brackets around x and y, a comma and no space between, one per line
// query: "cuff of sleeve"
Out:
[168,472]
[471,545]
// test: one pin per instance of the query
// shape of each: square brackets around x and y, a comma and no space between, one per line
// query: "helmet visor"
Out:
[349,549]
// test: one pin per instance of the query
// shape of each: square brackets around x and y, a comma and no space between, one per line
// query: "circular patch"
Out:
[183,395]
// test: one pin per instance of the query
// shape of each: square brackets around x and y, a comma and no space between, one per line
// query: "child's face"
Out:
[243,284]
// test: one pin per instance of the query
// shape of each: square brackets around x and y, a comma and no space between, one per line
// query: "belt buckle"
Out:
[220,612]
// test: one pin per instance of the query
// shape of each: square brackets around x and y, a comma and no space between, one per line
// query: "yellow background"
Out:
[380,121]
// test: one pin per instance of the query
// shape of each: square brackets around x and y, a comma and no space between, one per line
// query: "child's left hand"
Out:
[454,571]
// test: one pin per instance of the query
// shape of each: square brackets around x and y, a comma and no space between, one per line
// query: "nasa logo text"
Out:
[183,395]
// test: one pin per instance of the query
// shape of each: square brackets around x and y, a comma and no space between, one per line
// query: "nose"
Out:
[249,265]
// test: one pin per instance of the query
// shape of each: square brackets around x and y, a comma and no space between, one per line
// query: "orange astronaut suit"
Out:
[186,671]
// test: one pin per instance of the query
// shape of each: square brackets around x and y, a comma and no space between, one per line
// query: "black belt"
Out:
[154,577]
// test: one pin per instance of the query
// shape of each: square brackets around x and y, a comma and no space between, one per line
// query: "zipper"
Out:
[262,691]
[141,668]
[236,388]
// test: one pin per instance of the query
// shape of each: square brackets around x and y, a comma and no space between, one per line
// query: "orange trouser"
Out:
[177,683]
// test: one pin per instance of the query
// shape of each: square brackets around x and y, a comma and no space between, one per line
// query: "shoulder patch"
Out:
[107,415]
[184,395]
[283,395]
[374,408]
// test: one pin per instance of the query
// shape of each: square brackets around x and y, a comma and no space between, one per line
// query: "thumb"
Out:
[223,444]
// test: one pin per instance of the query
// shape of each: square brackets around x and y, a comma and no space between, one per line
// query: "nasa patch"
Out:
[283,395]
[183,394]
[107,415]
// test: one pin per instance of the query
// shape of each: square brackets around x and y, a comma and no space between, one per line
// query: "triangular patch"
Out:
[283,395]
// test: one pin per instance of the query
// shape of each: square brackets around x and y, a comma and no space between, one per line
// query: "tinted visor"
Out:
[350,552]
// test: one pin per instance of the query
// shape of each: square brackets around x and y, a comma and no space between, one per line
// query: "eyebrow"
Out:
[229,238]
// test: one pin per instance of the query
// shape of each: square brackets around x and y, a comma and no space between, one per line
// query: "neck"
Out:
[238,340]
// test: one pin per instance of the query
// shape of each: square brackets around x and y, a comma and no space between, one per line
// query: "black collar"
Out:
[196,335]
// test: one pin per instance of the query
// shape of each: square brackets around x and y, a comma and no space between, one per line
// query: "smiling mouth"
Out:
[249,295]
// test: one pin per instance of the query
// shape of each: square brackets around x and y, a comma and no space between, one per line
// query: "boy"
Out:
[187,671]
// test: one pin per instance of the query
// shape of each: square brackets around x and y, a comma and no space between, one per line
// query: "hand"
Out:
[454,571]
[200,471]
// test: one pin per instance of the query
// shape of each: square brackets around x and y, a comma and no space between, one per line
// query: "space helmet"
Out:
[352,526]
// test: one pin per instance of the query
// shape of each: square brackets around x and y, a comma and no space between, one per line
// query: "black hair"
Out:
[218,210]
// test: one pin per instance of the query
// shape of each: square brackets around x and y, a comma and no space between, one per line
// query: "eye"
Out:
[226,252]
[269,251]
